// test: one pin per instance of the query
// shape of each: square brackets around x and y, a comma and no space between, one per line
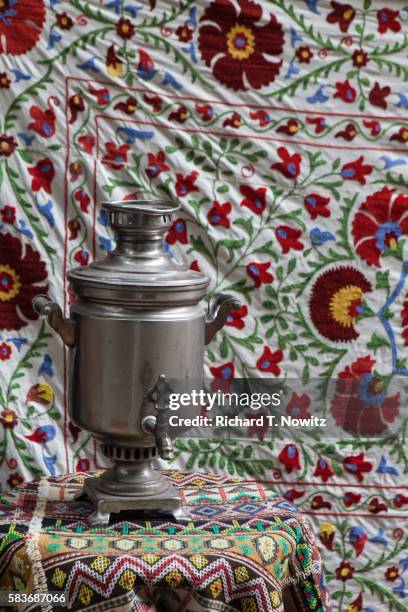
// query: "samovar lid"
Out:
[139,262]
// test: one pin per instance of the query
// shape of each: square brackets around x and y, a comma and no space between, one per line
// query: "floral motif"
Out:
[337,301]
[317,205]
[388,20]
[342,14]
[290,164]
[21,22]
[21,269]
[8,418]
[254,199]
[237,46]
[268,361]
[43,173]
[289,456]
[259,274]
[379,224]
[177,232]
[288,238]
[218,214]
[361,404]
[8,145]
[115,156]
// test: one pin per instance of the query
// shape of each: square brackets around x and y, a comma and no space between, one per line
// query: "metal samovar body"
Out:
[136,322]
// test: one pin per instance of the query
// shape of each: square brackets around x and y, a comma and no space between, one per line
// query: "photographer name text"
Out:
[238,421]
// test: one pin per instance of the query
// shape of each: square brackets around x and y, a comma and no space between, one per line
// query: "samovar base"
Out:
[132,486]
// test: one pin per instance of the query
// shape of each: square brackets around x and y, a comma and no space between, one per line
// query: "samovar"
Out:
[136,321]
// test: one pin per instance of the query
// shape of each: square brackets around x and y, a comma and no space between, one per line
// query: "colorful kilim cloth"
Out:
[245,549]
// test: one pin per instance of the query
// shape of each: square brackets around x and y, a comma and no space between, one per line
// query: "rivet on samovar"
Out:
[136,323]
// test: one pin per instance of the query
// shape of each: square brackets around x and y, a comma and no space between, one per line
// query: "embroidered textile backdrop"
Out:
[281,127]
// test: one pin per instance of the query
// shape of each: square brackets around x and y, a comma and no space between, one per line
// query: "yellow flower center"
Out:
[77,100]
[125,28]
[2,3]
[341,302]
[240,42]
[353,132]
[293,129]
[305,54]
[5,145]
[352,608]
[9,282]
[393,244]
[345,571]
[9,418]
[64,21]
[348,14]
[132,107]
[405,134]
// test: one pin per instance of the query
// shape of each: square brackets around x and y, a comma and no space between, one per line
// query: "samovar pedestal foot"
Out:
[164,500]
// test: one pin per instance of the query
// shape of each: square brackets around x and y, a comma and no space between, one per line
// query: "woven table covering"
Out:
[244,548]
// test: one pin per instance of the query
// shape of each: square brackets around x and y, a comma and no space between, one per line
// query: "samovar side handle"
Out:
[65,328]
[218,308]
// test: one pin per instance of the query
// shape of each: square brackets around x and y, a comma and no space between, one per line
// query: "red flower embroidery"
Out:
[260,115]
[44,121]
[268,361]
[206,111]
[323,469]
[258,273]
[115,157]
[8,418]
[373,126]
[318,502]
[350,499]
[19,273]
[345,91]
[401,135]
[392,573]
[76,170]
[379,223]
[43,173]
[7,145]
[5,351]
[257,430]
[64,21]
[128,107]
[378,94]
[344,571]
[360,58]
[304,55]
[195,266]
[254,199]
[235,121]
[288,238]
[343,14]
[4,80]
[184,33]
[356,465]
[83,465]
[218,214]
[102,95]
[400,500]
[87,142]
[234,318]
[21,22]
[289,456]
[83,198]
[14,480]
[74,227]
[82,257]
[291,495]
[114,64]
[177,232]
[290,128]
[336,302]
[356,171]
[290,164]
[376,506]
[156,164]
[388,20]
[360,404]
[186,184]
[233,44]
[76,105]
[349,132]
[156,102]
[319,123]
[180,115]
[8,214]
[223,374]
[41,394]
[316,205]
[298,406]
[326,534]
[125,28]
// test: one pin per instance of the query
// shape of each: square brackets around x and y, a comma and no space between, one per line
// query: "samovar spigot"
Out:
[158,425]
